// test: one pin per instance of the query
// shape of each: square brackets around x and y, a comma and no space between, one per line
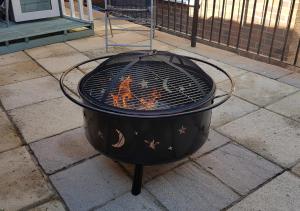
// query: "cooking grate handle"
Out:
[88,106]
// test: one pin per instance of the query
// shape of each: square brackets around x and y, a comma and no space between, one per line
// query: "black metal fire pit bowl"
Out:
[147,107]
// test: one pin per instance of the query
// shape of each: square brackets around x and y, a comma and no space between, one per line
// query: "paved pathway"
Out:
[250,162]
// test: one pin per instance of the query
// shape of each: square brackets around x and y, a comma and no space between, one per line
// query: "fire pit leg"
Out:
[137,180]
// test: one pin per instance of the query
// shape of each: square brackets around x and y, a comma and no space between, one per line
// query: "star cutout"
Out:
[170,148]
[181,88]
[182,130]
[152,144]
[144,84]
[136,133]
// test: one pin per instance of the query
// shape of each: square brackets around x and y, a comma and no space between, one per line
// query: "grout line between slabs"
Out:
[33,157]
[45,176]
[246,147]
[39,203]
[290,118]
[156,201]
[18,132]
[50,73]
[53,135]
[240,117]
[210,151]
[27,105]
[259,108]
[253,190]
[28,79]
[73,164]
[243,147]
[211,174]
[152,178]
[243,115]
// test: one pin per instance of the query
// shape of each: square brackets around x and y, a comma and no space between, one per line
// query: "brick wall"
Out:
[169,13]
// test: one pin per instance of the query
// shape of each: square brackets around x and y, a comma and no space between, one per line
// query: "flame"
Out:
[151,103]
[124,93]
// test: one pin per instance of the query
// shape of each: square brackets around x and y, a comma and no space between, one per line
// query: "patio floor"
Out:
[250,162]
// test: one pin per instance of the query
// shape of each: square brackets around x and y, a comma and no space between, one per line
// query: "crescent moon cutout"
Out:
[121,140]
[165,85]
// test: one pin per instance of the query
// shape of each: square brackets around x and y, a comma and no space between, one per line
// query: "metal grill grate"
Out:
[178,82]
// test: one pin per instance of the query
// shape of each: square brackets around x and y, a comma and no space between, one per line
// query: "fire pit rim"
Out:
[140,113]
[148,114]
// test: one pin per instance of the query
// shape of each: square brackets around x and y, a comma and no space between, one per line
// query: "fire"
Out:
[124,95]
[151,103]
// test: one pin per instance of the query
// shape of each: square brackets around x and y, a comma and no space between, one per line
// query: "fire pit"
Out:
[147,107]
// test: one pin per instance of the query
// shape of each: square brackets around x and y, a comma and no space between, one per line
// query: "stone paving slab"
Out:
[86,44]
[13,58]
[47,118]
[99,25]
[73,78]
[157,45]
[21,182]
[91,183]
[281,194]
[62,150]
[271,135]
[231,70]
[88,67]
[291,79]
[231,110]
[101,31]
[53,50]
[102,52]
[127,38]
[171,39]
[20,71]
[258,89]
[130,25]
[143,201]
[29,92]
[296,169]
[61,63]
[209,51]
[212,71]
[54,205]
[238,167]
[183,52]
[153,171]
[288,106]
[9,138]
[191,188]
[140,27]
[262,68]
[215,73]
[213,141]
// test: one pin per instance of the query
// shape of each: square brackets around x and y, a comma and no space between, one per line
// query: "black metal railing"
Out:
[267,29]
